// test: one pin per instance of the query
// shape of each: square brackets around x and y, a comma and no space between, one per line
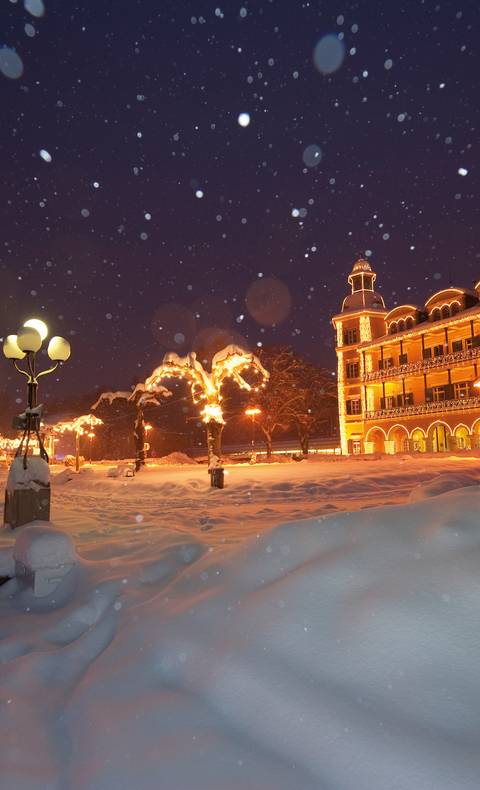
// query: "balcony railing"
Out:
[458,404]
[423,365]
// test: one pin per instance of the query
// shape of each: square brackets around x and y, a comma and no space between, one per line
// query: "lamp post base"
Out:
[27,495]
[25,505]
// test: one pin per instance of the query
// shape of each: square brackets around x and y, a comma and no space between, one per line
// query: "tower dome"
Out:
[362,281]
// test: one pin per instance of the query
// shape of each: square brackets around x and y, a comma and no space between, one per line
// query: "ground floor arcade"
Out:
[426,434]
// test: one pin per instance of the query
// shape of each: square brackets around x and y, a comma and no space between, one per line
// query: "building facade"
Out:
[407,377]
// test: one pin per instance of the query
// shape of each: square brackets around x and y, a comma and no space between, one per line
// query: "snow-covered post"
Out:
[206,387]
[139,398]
[27,496]
[77,451]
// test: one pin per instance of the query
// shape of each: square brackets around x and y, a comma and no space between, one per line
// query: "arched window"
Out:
[436,314]
[409,322]
[401,325]
[445,311]
[393,328]
[454,308]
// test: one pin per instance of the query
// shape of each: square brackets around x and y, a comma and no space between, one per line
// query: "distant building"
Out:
[406,376]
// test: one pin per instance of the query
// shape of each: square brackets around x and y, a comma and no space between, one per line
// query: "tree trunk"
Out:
[304,442]
[214,443]
[269,444]
[139,436]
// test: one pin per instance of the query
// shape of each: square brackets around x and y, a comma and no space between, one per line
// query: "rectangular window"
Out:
[354,406]
[390,401]
[402,359]
[388,363]
[461,390]
[427,353]
[438,394]
[352,370]
[457,345]
[356,447]
[350,336]
[438,351]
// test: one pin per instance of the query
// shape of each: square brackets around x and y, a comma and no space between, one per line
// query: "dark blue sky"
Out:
[137,104]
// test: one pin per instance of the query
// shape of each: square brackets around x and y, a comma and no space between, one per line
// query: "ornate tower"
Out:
[360,320]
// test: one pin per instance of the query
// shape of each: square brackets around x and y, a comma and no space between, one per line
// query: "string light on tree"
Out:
[229,363]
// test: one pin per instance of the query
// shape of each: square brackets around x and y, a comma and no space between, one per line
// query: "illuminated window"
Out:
[350,336]
[461,390]
[353,406]
[352,370]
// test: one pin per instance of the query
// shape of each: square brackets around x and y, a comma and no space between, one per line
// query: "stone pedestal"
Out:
[27,495]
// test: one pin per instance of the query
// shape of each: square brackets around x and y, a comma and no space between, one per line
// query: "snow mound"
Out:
[122,470]
[36,475]
[176,459]
[41,546]
[64,477]
[442,484]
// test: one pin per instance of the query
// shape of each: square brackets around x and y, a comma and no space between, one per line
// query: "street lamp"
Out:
[253,412]
[23,502]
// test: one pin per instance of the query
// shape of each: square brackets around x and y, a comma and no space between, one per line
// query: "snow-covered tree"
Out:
[79,426]
[229,363]
[139,398]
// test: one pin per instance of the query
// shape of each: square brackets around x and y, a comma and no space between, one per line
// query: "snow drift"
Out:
[338,653]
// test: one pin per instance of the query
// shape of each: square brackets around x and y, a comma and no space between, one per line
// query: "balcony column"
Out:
[423,346]
[425,387]
[446,340]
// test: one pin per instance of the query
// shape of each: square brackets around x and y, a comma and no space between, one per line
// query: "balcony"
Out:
[423,365]
[434,407]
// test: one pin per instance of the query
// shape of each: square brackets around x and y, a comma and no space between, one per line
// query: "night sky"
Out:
[160,220]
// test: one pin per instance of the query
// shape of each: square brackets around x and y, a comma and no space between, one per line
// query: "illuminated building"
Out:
[406,376]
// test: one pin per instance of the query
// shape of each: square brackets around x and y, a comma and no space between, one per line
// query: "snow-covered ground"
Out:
[282,633]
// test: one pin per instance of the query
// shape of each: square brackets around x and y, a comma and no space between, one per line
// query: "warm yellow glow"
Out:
[252,412]
[476,383]
[365,329]
[80,425]
[39,325]
[206,387]
[339,334]
[11,348]
[148,427]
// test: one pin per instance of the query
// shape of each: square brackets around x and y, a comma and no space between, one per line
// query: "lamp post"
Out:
[252,412]
[27,496]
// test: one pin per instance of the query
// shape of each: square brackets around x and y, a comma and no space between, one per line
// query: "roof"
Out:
[446,293]
[401,309]
[363,299]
